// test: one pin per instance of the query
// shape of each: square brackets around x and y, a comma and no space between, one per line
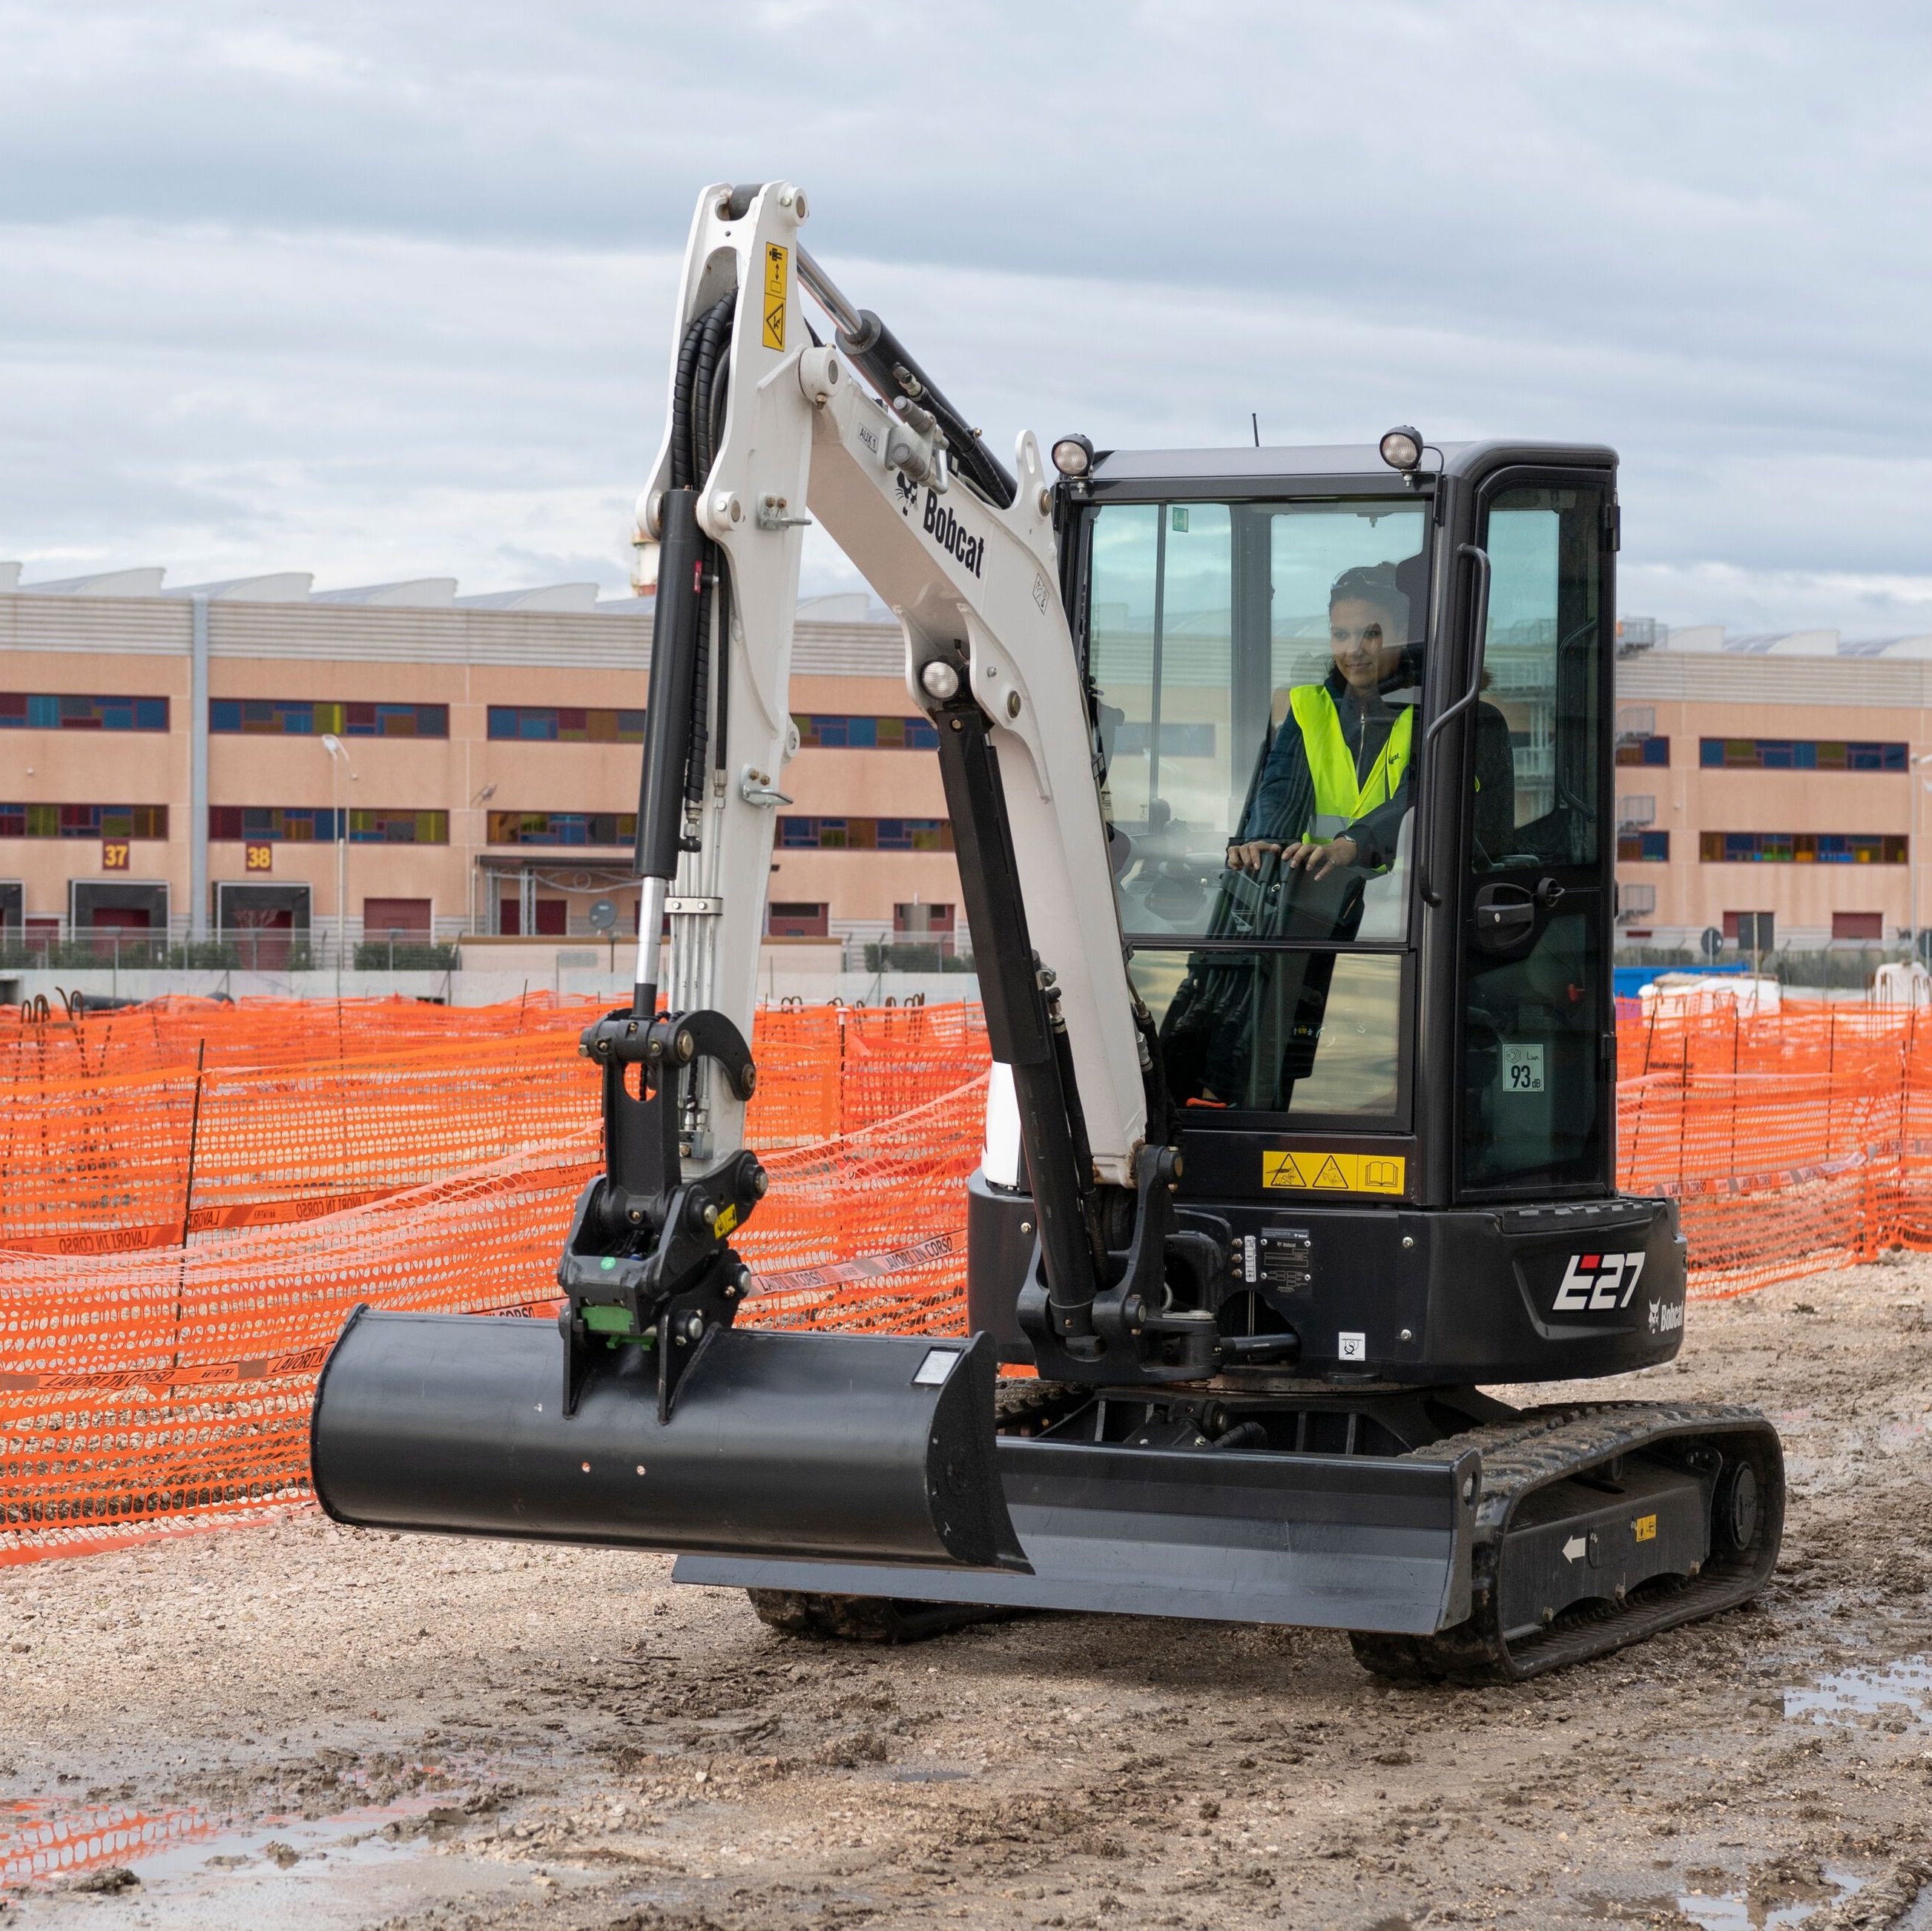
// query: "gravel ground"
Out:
[345,1728]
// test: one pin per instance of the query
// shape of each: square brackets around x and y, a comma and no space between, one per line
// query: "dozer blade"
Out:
[855,1447]
[1329,1542]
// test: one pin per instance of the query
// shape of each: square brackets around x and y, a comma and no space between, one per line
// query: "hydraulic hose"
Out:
[891,370]
[709,385]
[681,475]
[713,332]
[667,729]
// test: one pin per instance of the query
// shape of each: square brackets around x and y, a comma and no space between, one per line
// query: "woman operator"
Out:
[1335,787]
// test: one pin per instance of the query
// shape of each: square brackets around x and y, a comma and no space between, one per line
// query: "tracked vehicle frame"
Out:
[1281,783]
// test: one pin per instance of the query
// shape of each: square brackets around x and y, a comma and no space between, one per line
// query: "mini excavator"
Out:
[1301,1131]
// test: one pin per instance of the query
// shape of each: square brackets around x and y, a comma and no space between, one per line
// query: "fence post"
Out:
[1896,1229]
[187,1196]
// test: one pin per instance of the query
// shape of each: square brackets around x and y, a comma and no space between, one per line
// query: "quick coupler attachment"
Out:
[1155,1321]
[867,1448]
[661,1286]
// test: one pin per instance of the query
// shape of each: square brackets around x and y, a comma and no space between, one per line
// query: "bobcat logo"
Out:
[908,493]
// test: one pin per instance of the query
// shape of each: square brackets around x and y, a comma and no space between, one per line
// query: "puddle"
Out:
[1737,1911]
[1904,1687]
[41,1839]
[199,1871]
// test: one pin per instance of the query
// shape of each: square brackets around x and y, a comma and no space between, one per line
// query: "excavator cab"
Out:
[1280,781]
[1288,1002]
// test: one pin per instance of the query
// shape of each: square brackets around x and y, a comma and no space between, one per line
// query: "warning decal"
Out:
[1319,1172]
[775,296]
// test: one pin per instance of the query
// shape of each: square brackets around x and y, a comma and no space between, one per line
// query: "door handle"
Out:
[1505,916]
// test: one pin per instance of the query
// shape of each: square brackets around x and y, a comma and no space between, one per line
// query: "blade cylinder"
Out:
[779,1443]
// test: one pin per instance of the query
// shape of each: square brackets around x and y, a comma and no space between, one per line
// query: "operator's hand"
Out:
[1318,861]
[1248,857]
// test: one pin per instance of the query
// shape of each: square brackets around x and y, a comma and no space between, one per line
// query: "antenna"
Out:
[1254,417]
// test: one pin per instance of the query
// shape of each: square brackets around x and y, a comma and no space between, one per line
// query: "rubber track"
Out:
[864,1619]
[1544,1445]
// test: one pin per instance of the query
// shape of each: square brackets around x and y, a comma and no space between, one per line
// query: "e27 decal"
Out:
[1598,1282]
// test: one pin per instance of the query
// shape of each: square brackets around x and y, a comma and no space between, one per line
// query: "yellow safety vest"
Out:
[1338,800]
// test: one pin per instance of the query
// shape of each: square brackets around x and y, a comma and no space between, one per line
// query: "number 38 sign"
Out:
[260,857]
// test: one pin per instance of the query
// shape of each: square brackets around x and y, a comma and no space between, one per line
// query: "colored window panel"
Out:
[1803,848]
[83,821]
[562,828]
[398,827]
[305,716]
[923,834]
[302,825]
[38,711]
[1653,751]
[1644,848]
[832,731]
[564,723]
[1798,754]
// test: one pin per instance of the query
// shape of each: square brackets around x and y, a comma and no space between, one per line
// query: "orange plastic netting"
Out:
[196,1195]
[1792,1142]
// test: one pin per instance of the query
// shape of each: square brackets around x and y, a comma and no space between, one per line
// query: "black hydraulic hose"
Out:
[714,332]
[673,655]
[714,414]
[681,477]
[710,381]
[891,371]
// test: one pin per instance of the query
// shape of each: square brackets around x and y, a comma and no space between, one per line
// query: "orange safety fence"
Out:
[1792,1142]
[193,1196]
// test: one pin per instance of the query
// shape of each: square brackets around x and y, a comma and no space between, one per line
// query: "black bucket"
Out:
[853,1447]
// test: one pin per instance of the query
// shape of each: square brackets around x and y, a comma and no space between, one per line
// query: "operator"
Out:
[1335,787]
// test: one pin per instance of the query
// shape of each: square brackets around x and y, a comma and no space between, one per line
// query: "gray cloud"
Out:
[379,290]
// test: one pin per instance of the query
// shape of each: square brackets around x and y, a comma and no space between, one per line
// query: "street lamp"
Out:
[338,760]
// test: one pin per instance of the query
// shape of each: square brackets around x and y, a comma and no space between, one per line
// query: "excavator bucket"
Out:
[868,1465]
[856,1448]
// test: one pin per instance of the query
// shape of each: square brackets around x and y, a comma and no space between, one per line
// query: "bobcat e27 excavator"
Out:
[1285,1159]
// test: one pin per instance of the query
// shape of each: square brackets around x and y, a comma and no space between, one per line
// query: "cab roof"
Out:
[1347,468]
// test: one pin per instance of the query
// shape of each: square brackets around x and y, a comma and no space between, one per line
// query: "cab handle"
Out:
[1480,558]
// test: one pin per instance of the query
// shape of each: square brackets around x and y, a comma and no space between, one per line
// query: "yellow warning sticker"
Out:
[1646,1528]
[1319,1172]
[775,296]
[727,1218]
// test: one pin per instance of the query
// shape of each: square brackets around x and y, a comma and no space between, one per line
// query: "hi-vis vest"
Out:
[1338,800]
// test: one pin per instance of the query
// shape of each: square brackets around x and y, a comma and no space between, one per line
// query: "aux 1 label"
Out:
[1523,1069]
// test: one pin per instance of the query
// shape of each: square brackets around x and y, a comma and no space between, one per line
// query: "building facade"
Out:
[1770,791]
[401,764]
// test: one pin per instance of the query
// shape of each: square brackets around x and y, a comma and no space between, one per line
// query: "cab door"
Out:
[1536,1015]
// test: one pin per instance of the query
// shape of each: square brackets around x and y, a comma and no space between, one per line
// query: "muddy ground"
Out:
[329,1728]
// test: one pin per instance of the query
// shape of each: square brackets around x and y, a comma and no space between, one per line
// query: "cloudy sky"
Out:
[383,290]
